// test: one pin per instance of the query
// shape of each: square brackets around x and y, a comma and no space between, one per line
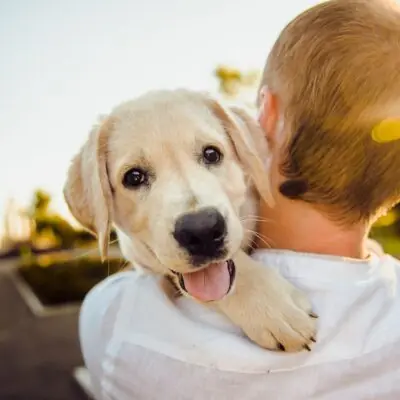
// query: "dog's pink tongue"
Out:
[208,284]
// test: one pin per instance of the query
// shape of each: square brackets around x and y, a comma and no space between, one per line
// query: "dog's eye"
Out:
[134,178]
[212,155]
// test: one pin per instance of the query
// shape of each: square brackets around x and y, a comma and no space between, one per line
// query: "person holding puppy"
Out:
[329,104]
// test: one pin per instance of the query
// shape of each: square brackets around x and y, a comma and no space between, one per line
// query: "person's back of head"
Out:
[336,72]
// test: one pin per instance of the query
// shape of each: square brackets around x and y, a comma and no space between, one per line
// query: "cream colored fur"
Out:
[165,132]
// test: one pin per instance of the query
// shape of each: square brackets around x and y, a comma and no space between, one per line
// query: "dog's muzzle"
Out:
[202,234]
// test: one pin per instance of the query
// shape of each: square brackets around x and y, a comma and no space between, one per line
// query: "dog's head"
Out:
[174,172]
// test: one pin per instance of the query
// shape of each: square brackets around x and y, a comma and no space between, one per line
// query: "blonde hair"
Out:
[336,71]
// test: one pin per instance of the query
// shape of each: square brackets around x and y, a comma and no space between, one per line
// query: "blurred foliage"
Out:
[233,82]
[49,228]
[387,231]
[59,279]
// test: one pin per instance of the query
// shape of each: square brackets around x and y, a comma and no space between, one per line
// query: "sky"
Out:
[64,62]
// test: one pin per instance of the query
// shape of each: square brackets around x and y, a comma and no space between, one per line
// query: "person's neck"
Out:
[297,226]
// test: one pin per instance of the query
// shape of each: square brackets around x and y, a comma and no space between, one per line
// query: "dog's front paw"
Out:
[269,309]
[278,316]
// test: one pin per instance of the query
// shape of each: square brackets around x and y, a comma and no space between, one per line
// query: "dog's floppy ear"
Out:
[87,190]
[250,144]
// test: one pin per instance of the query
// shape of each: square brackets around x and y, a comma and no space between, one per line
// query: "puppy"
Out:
[179,177]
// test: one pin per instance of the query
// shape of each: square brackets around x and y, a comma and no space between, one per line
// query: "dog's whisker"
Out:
[265,242]
[88,253]
[255,216]
[261,237]
[93,250]
[257,219]
[124,264]
[268,239]
[253,246]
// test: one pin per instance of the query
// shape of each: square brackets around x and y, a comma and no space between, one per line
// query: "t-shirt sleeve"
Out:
[96,322]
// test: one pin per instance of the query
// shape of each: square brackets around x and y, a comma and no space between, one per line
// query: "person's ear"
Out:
[268,116]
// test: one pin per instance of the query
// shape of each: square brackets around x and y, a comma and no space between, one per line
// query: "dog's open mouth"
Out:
[211,283]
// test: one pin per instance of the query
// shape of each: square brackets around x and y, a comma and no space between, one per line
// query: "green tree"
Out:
[234,83]
[40,203]
[48,226]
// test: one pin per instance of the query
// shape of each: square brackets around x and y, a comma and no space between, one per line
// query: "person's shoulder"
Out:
[392,264]
[98,315]
[110,286]
[103,299]
[106,289]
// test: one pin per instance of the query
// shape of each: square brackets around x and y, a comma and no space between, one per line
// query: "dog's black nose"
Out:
[201,233]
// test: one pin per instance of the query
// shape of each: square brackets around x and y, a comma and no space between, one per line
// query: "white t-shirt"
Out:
[139,345]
